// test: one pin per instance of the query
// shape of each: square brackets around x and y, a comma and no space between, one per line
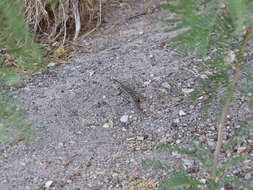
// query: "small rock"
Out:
[60,144]
[237,126]
[203,180]
[203,76]
[201,97]
[151,56]
[139,138]
[91,73]
[181,113]
[106,125]
[52,64]
[210,143]
[166,85]
[146,83]
[140,33]
[177,120]
[124,118]
[187,162]
[241,149]
[212,128]
[248,176]
[48,184]
[187,90]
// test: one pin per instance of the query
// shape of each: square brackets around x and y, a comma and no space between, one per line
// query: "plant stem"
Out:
[221,125]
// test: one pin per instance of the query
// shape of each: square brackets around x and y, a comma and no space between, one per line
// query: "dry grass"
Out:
[62,19]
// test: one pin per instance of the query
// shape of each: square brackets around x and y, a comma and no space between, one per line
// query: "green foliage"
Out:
[179,179]
[12,121]
[214,31]
[16,41]
[15,37]
[156,164]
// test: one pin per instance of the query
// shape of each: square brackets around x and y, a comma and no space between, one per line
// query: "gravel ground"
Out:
[92,138]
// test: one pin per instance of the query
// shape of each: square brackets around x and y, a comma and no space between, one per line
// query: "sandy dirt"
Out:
[92,138]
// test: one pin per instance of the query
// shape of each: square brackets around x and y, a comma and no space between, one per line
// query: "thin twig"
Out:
[227,105]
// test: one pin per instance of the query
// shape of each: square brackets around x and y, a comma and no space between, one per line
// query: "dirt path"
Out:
[92,139]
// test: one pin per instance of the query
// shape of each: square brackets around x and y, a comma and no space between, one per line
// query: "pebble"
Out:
[210,143]
[124,118]
[212,128]
[52,64]
[166,85]
[48,184]
[241,149]
[187,90]
[106,125]
[177,120]
[140,138]
[146,83]
[237,126]
[91,73]
[203,180]
[60,144]
[181,113]
[203,76]
[248,176]
[187,162]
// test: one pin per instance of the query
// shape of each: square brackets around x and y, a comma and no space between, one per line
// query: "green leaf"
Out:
[237,9]
[179,181]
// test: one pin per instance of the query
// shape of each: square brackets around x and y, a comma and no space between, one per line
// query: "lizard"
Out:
[131,94]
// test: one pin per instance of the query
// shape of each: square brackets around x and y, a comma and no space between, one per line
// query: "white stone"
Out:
[124,118]
[106,125]
[48,184]
[181,113]
[248,176]
[52,64]
[91,73]
[177,120]
[187,90]
[166,85]
[187,161]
